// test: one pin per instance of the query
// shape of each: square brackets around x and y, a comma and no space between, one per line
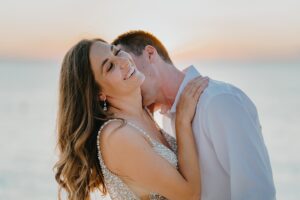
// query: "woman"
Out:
[108,141]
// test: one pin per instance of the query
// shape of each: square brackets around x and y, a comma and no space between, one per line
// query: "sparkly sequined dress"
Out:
[117,189]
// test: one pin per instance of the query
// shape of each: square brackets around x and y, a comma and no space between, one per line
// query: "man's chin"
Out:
[146,102]
[154,107]
[151,105]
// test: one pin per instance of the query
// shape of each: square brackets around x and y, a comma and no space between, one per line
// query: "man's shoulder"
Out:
[219,93]
[216,88]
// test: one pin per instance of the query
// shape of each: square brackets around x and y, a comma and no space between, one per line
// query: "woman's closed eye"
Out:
[111,65]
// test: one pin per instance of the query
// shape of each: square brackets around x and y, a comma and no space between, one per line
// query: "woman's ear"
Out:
[151,53]
[102,96]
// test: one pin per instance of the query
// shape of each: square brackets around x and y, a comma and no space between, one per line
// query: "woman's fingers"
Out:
[186,106]
[200,85]
[196,85]
[201,88]
[191,86]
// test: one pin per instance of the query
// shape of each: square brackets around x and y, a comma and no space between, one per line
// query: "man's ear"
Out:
[151,53]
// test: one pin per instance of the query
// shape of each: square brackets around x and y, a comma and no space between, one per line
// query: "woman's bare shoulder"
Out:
[120,142]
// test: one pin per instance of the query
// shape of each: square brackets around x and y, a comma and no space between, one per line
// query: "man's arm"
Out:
[235,133]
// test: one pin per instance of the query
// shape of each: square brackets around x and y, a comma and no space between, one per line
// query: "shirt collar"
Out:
[191,73]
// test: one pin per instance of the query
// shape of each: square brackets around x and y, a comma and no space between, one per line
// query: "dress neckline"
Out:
[150,138]
[162,132]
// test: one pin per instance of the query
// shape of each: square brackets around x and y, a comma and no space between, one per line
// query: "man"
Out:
[233,158]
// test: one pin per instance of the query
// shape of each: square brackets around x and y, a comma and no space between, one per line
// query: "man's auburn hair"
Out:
[136,41]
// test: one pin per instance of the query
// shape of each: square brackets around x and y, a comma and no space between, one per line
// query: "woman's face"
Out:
[114,70]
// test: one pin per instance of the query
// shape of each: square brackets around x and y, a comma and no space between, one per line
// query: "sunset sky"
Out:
[212,29]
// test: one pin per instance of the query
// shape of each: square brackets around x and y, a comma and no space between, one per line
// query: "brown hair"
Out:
[136,41]
[79,117]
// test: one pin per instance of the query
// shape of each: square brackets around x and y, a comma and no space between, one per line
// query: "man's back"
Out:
[233,158]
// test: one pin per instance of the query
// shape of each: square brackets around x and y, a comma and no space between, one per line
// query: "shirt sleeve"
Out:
[233,127]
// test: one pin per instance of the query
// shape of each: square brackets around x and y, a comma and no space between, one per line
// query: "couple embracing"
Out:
[108,139]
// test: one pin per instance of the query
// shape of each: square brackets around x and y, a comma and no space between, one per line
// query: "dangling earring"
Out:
[104,106]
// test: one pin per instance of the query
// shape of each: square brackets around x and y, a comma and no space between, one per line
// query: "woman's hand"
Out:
[186,106]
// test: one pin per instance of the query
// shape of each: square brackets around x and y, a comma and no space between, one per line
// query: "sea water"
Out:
[28,106]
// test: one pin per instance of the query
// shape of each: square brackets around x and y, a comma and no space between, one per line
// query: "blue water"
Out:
[28,104]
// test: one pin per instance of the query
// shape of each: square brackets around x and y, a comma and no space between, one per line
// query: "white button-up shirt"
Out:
[233,158]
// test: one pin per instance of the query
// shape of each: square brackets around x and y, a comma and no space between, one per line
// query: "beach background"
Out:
[255,46]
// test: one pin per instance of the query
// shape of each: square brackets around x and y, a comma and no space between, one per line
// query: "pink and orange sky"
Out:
[215,29]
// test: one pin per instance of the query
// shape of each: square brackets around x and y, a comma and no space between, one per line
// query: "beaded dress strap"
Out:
[98,138]
[142,131]
[129,123]
[152,118]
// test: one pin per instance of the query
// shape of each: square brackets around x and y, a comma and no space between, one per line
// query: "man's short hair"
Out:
[135,42]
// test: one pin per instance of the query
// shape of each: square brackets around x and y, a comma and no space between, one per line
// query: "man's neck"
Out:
[171,79]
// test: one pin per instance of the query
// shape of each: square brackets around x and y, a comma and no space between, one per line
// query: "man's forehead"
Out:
[120,46]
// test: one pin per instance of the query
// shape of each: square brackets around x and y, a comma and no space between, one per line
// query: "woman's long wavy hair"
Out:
[80,115]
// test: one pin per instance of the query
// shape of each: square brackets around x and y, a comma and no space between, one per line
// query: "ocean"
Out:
[28,106]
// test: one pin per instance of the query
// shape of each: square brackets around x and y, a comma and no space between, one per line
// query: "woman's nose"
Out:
[122,62]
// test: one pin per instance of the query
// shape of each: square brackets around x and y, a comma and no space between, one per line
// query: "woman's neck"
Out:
[127,106]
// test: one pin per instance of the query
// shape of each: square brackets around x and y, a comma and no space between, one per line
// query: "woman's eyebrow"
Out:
[105,61]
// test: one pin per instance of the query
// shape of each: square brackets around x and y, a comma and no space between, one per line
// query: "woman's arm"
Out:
[127,153]
[187,151]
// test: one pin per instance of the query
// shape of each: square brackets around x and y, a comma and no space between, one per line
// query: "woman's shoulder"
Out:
[110,126]
[119,129]
[119,144]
